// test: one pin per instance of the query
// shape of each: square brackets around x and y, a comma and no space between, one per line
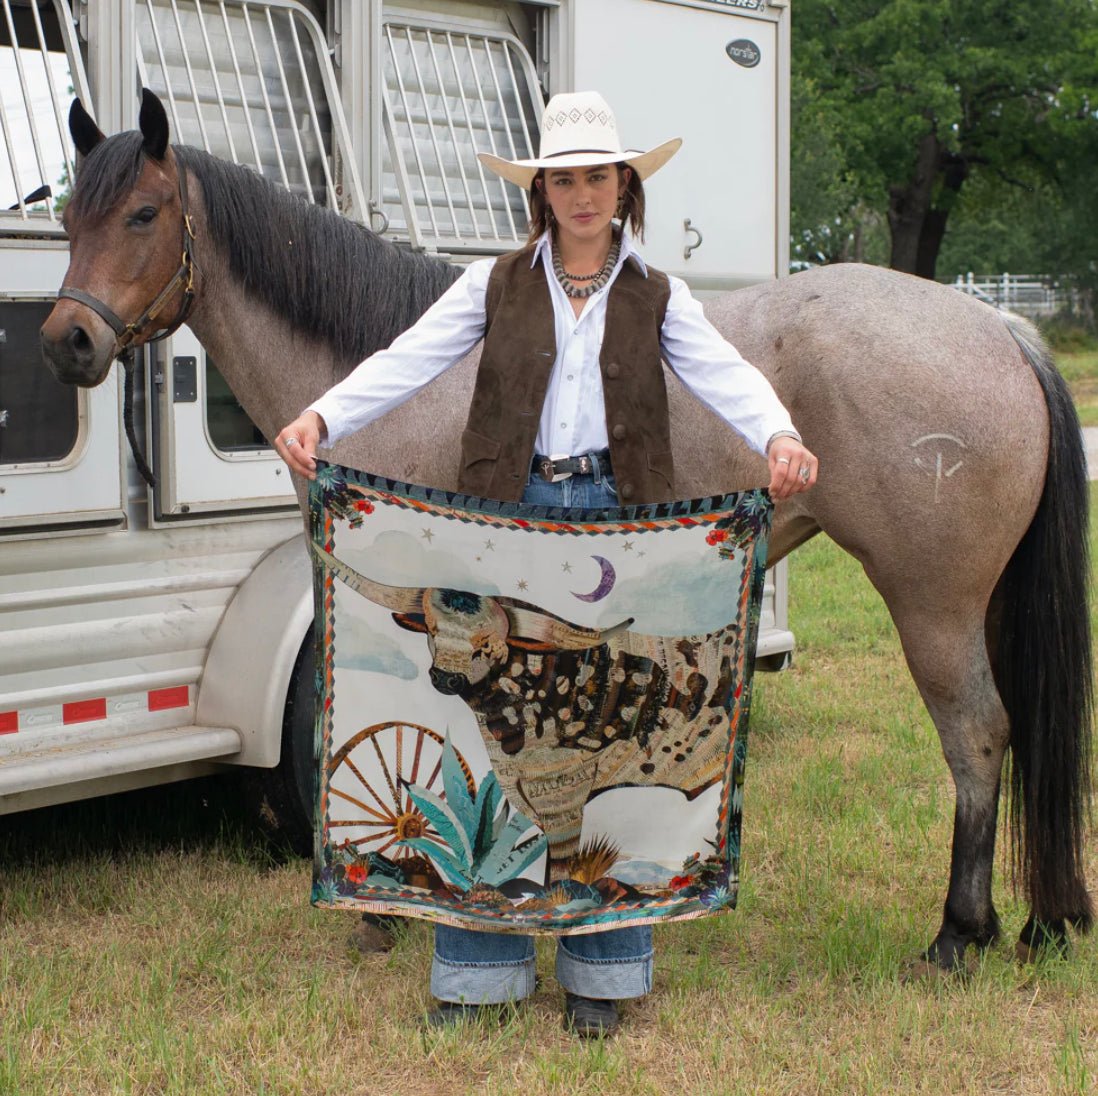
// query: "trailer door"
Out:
[717,79]
[59,446]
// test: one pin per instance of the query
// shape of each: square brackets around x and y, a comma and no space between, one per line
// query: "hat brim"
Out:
[522,172]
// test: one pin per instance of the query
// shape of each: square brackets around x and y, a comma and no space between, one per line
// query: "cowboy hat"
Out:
[578,130]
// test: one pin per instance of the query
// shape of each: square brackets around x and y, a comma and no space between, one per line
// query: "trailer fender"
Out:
[248,667]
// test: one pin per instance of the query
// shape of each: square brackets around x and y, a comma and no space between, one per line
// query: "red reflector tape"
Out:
[83,711]
[9,722]
[161,699]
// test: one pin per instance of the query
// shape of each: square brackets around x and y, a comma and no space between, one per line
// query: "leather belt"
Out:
[555,469]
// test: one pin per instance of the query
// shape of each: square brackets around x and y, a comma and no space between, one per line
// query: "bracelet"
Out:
[782,434]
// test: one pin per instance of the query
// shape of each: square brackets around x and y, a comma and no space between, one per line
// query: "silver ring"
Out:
[783,460]
[804,473]
[290,441]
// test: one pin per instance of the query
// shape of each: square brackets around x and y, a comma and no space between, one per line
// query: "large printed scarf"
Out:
[531,719]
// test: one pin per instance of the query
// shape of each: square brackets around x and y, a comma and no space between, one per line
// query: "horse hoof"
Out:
[924,970]
[1028,954]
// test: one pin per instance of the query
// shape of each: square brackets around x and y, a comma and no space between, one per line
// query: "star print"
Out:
[639,554]
[629,546]
[566,567]
[522,584]
[428,535]
[489,545]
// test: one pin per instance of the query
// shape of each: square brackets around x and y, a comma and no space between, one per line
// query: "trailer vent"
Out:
[252,83]
[447,96]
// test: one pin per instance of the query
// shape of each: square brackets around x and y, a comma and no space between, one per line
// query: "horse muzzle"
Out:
[76,352]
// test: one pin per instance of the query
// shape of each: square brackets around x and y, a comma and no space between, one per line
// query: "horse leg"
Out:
[949,661]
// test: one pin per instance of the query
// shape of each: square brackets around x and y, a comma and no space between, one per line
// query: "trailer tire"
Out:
[284,798]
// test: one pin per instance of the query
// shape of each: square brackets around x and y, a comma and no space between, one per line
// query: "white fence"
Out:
[1033,295]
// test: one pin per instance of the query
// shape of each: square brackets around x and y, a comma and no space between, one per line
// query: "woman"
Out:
[569,409]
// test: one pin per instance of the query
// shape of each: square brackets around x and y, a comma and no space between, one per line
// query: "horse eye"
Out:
[143,216]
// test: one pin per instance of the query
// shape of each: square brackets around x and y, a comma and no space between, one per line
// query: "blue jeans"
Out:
[485,968]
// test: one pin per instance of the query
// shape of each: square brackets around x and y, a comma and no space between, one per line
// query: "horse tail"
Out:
[1044,668]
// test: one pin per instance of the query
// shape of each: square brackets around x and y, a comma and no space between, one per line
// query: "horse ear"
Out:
[85,133]
[153,123]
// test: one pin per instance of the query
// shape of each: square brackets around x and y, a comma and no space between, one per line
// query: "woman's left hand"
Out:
[792,468]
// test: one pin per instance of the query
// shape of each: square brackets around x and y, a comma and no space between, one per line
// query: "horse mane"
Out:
[329,277]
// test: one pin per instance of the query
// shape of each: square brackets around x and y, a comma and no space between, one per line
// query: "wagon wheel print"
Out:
[376,765]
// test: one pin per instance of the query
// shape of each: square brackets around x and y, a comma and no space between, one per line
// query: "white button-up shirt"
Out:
[573,419]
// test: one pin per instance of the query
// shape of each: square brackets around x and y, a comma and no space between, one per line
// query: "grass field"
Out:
[1081,370]
[149,944]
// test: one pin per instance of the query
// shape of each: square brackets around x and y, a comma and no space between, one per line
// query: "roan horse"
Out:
[950,454]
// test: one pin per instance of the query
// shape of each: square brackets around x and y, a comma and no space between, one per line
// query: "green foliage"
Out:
[481,834]
[1069,334]
[926,113]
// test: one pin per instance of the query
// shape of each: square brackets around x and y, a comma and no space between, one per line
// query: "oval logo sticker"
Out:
[744,52]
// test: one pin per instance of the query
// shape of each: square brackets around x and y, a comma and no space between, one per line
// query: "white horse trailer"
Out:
[147,635]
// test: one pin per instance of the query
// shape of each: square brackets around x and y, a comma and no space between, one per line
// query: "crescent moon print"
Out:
[606,582]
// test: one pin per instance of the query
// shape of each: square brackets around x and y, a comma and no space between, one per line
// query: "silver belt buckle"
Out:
[557,476]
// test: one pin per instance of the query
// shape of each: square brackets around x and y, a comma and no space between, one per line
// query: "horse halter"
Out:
[126,333]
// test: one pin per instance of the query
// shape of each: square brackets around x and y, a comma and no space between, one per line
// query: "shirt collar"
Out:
[542,250]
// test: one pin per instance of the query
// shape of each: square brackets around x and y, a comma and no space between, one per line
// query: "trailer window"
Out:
[39,74]
[39,416]
[447,96]
[227,423]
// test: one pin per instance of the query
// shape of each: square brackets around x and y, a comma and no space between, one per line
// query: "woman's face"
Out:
[583,199]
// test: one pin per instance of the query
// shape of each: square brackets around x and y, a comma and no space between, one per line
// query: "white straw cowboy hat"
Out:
[578,130]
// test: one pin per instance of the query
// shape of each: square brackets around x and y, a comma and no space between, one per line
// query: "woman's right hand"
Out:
[296,444]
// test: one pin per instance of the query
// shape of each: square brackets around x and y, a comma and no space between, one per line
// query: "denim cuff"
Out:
[607,979]
[482,983]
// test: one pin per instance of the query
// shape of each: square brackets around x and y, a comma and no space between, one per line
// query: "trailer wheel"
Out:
[283,797]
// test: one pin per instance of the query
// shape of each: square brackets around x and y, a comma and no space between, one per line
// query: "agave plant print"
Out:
[531,719]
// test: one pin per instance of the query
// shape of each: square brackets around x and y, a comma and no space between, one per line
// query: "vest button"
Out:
[613,370]
[626,490]
[618,431]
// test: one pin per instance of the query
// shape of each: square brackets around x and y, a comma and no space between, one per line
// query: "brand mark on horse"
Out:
[936,465]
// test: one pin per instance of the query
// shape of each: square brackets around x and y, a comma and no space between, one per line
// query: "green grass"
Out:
[1080,369]
[150,944]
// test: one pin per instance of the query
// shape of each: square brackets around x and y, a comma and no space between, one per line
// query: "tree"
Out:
[931,94]
[829,222]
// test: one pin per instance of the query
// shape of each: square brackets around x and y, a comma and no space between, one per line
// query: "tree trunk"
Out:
[930,242]
[919,211]
[908,206]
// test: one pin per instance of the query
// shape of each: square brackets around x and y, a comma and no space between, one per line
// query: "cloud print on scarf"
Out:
[398,559]
[359,647]
[669,601]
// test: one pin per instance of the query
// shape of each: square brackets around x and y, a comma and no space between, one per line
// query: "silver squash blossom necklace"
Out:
[579,286]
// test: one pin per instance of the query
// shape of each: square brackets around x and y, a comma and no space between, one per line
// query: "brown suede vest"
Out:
[513,377]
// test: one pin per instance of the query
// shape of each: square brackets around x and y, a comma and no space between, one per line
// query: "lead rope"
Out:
[126,358]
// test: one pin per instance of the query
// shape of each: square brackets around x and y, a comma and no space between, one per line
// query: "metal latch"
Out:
[185,379]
